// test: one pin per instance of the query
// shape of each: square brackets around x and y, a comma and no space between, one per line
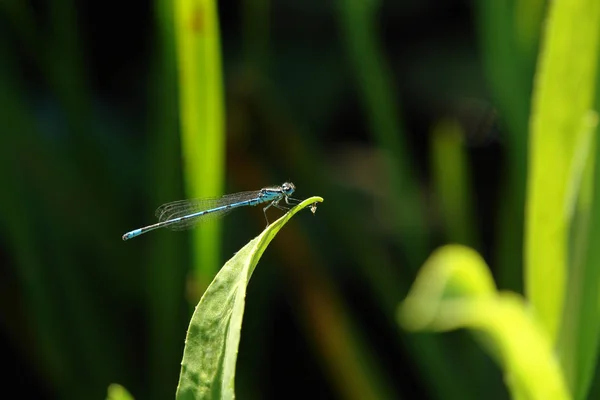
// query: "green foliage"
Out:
[559,147]
[562,136]
[453,181]
[211,345]
[578,342]
[454,290]
[104,117]
[202,118]
[118,392]
[359,24]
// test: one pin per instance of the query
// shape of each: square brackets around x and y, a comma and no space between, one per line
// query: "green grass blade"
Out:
[211,346]
[578,345]
[564,91]
[202,119]
[452,182]
[509,75]
[528,17]
[375,82]
[455,290]
[118,392]
[167,257]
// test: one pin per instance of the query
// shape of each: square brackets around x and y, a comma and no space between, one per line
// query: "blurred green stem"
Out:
[375,82]
[509,75]
[165,281]
[559,131]
[202,121]
[452,183]
[578,345]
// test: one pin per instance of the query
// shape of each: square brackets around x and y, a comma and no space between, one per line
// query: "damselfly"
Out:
[183,214]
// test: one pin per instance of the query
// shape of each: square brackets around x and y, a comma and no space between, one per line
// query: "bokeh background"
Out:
[408,117]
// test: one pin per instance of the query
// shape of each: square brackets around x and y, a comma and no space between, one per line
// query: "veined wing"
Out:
[182,208]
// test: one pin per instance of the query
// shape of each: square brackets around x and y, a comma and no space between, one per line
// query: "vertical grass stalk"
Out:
[452,182]
[167,257]
[374,80]
[202,119]
[564,92]
[509,75]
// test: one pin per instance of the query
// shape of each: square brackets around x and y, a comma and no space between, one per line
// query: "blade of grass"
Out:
[211,345]
[564,91]
[528,17]
[509,76]
[374,80]
[202,120]
[118,392]
[452,182]
[168,255]
[578,345]
[455,290]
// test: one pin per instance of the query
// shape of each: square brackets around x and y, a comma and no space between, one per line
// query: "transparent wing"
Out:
[182,208]
[189,223]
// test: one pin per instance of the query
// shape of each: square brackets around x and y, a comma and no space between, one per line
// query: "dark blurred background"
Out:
[408,117]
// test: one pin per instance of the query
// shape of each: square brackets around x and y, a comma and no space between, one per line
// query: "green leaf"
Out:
[578,343]
[118,392]
[211,346]
[361,31]
[202,119]
[455,290]
[449,165]
[563,96]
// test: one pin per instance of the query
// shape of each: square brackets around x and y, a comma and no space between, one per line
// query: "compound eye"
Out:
[288,187]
